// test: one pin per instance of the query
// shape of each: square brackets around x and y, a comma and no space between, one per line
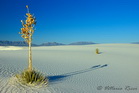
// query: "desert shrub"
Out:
[97,51]
[32,78]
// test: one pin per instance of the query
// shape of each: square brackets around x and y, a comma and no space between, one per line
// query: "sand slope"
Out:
[75,69]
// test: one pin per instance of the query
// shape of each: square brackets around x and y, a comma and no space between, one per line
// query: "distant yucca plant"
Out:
[97,51]
[32,78]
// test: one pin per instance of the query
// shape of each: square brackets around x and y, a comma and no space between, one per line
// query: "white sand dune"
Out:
[10,48]
[74,69]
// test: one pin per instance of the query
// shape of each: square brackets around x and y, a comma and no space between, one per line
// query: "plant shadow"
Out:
[57,78]
[100,52]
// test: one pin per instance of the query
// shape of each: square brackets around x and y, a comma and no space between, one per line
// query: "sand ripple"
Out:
[10,84]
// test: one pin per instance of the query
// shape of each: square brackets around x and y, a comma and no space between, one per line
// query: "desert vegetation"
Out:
[30,76]
[97,51]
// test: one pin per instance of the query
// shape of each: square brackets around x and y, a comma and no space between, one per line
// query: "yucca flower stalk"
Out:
[27,31]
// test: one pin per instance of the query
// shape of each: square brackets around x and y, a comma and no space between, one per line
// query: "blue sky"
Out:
[66,21]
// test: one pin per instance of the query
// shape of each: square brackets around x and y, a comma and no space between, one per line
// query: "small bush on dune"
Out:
[32,78]
[97,51]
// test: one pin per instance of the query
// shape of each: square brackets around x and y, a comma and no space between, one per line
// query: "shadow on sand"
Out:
[56,78]
[100,52]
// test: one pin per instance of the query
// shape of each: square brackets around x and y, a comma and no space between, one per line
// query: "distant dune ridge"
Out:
[14,43]
[82,43]
[23,43]
[51,44]
[135,43]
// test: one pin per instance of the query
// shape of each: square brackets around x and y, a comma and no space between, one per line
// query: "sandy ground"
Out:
[74,69]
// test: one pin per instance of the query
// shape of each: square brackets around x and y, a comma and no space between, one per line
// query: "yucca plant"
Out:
[30,76]
[97,51]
